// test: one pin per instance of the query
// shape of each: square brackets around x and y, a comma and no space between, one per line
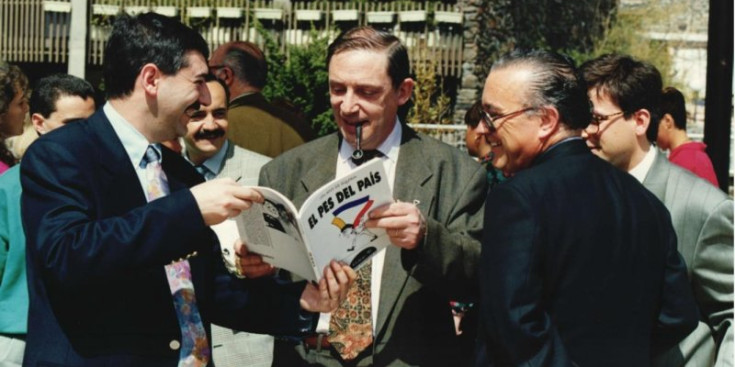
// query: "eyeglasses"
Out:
[597,120]
[490,120]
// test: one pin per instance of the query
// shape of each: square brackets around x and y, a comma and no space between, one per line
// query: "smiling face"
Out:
[180,93]
[207,126]
[517,139]
[361,92]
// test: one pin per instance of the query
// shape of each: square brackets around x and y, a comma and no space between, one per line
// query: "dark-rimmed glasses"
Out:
[597,120]
[489,120]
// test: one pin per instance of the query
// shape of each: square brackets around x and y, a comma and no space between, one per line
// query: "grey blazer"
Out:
[231,348]
[702,216]
[242,165]
[414,323]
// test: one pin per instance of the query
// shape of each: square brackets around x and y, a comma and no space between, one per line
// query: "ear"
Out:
[641,118]
[667,122]
[149,77]
[549,122]
[404,91]
[37,120]
[226,75]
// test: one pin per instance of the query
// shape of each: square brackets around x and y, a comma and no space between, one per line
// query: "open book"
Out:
[330,224]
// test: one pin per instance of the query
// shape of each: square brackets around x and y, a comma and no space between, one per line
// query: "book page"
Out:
[271,230]
[333,218]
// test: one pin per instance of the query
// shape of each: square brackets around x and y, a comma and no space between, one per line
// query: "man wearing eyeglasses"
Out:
[626,94]
[579,263]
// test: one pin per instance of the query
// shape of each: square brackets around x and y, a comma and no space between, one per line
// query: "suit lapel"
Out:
[232,164]
[323,170]
[657,176]
[412,183]
[114,165]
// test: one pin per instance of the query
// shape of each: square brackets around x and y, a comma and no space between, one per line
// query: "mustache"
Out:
[209,134]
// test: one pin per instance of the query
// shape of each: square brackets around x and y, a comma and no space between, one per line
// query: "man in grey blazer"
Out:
[434,224]
[207,148]
[625,93]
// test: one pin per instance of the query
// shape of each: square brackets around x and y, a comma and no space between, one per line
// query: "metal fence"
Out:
[38,31]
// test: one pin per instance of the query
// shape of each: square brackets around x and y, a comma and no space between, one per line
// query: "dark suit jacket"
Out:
[414,323]
[97,250]
[579,267]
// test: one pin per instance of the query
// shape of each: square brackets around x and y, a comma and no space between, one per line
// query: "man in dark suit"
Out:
[579,261]
[123,276]
[434,224]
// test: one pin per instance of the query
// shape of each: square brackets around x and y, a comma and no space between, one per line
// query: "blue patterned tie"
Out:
[194,345]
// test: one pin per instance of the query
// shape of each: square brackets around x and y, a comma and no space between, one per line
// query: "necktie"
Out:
[351,327]
[194,345]
[204,171]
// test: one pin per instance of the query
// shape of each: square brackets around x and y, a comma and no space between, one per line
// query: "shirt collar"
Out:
[641,170]
[214,163]
[389,147]
[133,141]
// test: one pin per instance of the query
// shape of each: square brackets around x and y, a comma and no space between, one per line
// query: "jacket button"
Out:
[174,345]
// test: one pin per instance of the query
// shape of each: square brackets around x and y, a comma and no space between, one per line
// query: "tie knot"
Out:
[151,155]
[204,171]
[366,155]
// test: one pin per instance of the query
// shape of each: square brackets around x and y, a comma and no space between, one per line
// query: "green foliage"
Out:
[430,104]
[624,33]
[570,27]
[301,77]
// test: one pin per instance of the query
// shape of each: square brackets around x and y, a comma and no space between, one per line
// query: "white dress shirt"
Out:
[390,149]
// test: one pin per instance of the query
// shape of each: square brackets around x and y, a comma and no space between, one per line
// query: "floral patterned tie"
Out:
[194,345]
[351,327]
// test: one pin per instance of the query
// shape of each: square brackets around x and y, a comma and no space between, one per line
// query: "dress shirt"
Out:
[214,163]
[641,170]
[133,141]
[390,149]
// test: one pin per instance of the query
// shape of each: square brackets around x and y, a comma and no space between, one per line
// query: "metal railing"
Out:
[38,30]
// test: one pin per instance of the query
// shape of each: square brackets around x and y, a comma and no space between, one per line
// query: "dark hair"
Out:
[12,82]
[556,83]
[368,38]
[51,88]
[631,84]
[146,38]
[473,116]
[673,103]
[211,78]
[247,62]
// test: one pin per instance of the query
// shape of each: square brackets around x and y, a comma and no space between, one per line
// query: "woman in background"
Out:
[14,93]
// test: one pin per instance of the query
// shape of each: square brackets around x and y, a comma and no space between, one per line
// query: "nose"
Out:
[349,104]
[482,129]
[204,97]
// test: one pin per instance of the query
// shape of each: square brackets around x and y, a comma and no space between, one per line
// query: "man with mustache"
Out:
[214,156]
[401,310]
